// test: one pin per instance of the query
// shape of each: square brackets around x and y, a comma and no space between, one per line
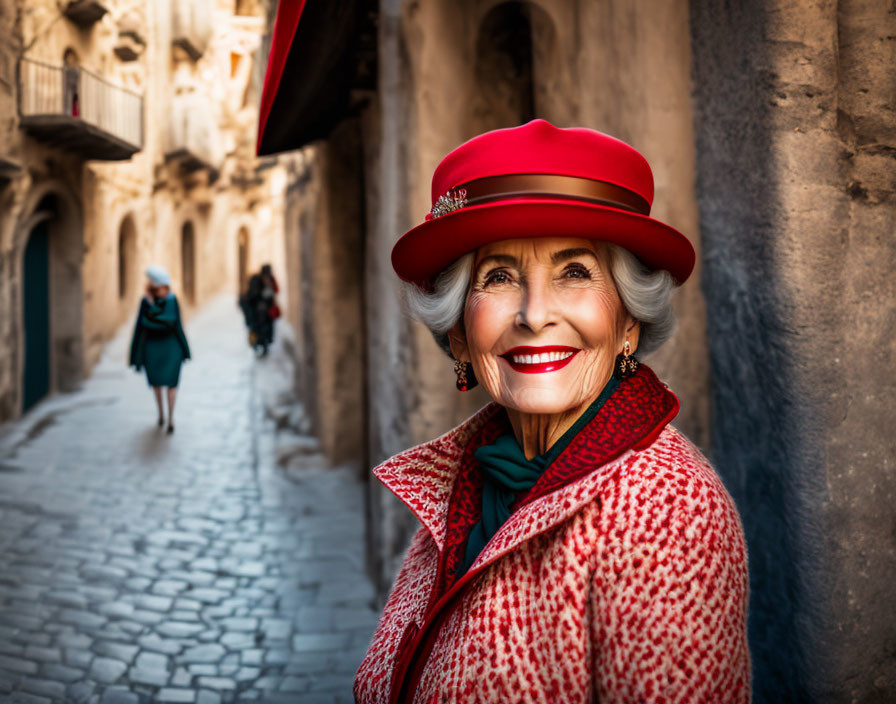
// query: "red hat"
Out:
[538,180]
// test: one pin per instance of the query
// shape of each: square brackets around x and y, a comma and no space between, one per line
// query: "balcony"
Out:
[193,135]
[76,110]
[191,26]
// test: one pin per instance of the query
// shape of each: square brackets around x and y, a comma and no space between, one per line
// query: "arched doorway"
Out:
[513,56]
[188,260]
[50,346]
[36,315]
[127,258]
[242,259]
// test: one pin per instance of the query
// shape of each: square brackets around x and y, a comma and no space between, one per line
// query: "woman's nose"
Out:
[537,310]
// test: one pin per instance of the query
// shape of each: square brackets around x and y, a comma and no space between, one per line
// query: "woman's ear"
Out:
[457,341]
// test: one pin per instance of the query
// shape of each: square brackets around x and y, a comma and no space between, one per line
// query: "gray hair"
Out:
[645,294]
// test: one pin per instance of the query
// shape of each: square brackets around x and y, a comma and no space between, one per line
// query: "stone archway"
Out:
[128,271]
[36,314]
[514,54]
[188,260]
[50,346]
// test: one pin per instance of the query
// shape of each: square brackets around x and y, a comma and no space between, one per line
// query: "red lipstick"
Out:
[538,360]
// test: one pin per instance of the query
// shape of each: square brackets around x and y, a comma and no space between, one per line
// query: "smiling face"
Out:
[543,324]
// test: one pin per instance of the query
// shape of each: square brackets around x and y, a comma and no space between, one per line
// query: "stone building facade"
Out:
[770,128]
[127,139]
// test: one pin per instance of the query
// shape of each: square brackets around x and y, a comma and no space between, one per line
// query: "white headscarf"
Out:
[158,275]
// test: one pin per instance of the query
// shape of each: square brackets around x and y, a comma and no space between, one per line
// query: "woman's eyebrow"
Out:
[497,259]
[567,254]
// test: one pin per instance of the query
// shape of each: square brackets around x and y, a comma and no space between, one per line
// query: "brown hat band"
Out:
[490,188]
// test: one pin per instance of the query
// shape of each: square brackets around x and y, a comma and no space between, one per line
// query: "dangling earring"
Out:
[466,380]
[626,364]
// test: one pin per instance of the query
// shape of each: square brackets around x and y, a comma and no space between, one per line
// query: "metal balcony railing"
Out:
[73,105]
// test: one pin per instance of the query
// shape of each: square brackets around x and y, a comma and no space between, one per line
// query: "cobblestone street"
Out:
[141,567]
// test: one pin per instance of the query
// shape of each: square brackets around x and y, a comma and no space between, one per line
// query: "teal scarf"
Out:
[507,474]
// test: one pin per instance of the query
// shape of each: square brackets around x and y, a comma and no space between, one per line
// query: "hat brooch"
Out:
[448,203]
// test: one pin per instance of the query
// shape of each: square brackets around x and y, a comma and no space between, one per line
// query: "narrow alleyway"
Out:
[140,567]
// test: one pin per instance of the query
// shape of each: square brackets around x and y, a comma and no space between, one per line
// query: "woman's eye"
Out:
[576,271]
[498,276]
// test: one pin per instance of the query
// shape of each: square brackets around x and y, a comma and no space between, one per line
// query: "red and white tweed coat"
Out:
[620,577]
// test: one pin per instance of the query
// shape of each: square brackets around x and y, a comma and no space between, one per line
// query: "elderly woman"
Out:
[159,345]
[575,547]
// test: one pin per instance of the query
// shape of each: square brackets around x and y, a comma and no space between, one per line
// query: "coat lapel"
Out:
[424,476]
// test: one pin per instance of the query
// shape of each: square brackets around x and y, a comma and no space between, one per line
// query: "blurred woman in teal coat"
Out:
[159,345]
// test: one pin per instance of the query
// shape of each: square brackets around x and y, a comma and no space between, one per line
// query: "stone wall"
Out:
[796,141]
[9,45]
[332,271]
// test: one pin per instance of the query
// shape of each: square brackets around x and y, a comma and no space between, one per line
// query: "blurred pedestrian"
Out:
[71,79]
[260,309]
[159,345]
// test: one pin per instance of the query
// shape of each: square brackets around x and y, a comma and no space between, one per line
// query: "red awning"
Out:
[285,26]
[313,65]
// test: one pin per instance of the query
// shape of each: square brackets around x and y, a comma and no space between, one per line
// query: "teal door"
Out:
[36,316]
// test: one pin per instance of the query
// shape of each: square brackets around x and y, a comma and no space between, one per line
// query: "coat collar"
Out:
[425,477]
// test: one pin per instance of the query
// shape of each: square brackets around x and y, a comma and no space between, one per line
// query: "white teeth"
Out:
[540,358]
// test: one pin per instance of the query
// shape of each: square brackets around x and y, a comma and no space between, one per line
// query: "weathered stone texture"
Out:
[333,253]
[795,135]
[639,53]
